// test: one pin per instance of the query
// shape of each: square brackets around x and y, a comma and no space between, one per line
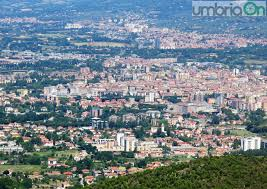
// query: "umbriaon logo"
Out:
[229,8]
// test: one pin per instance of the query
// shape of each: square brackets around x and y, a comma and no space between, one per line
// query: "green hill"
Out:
[216,172]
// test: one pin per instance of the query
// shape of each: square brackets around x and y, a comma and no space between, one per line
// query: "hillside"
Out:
[215,172]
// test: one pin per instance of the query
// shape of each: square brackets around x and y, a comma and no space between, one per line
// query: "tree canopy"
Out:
[214,172]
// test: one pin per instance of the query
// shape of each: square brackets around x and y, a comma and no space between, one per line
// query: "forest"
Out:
[215,172]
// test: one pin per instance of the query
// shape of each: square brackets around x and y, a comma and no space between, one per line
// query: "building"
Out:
[264,144]
[251,143]
[120,139]
[52,162]
[97,123]
[150,97]
[130,144]
[9,147]
[96,112]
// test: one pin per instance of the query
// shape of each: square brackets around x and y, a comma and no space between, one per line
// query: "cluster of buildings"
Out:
[141,109]
[18,57]
[198,89]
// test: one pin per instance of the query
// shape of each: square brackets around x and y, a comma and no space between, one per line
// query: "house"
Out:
[89,179]
[52,162]
[82,155]
[68,174]
[85,171]
[54,173]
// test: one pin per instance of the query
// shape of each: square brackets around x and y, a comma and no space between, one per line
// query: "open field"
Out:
[21,168]
[255,62]
[56,154]
[264,124]
[51,35]
[66,153]
[243,133]
[101,44]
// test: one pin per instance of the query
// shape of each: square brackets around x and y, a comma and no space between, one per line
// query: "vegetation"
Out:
[261,152]
[256,121]
[242,133]
[21,168]
[18,182]
[215,172]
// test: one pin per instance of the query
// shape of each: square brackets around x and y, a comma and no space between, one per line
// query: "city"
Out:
[86,98]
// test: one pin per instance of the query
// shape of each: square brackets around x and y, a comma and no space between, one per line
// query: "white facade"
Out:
[251,143]
[150,97]
[120,139]
[130,144]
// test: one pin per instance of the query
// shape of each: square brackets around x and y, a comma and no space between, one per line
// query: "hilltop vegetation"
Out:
[256,122]
[215,172]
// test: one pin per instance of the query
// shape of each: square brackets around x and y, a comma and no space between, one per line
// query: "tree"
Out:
[63,100]
[236,144]
[104,156]
[255,119]
[139,133]
[7,183]
[36,141]
[26,183]
[6,172]
[220,172]
[215,120]
[142,163]
[28,146]
[216,132]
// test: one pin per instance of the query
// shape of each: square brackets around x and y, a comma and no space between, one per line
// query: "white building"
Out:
[9,147]
[73,26]
[120,139]
[150,97]
[251,143]
[236,71]
[130,144]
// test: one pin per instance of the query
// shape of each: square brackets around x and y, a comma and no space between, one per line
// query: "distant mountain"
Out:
[175,14]
[215,172]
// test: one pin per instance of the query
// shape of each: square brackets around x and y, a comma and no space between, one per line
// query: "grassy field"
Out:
[243,133]
[66,153]
[21,168]
[56,154]
[255,62]
[37,168]
[51,35]
[101,44]
[264,124]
